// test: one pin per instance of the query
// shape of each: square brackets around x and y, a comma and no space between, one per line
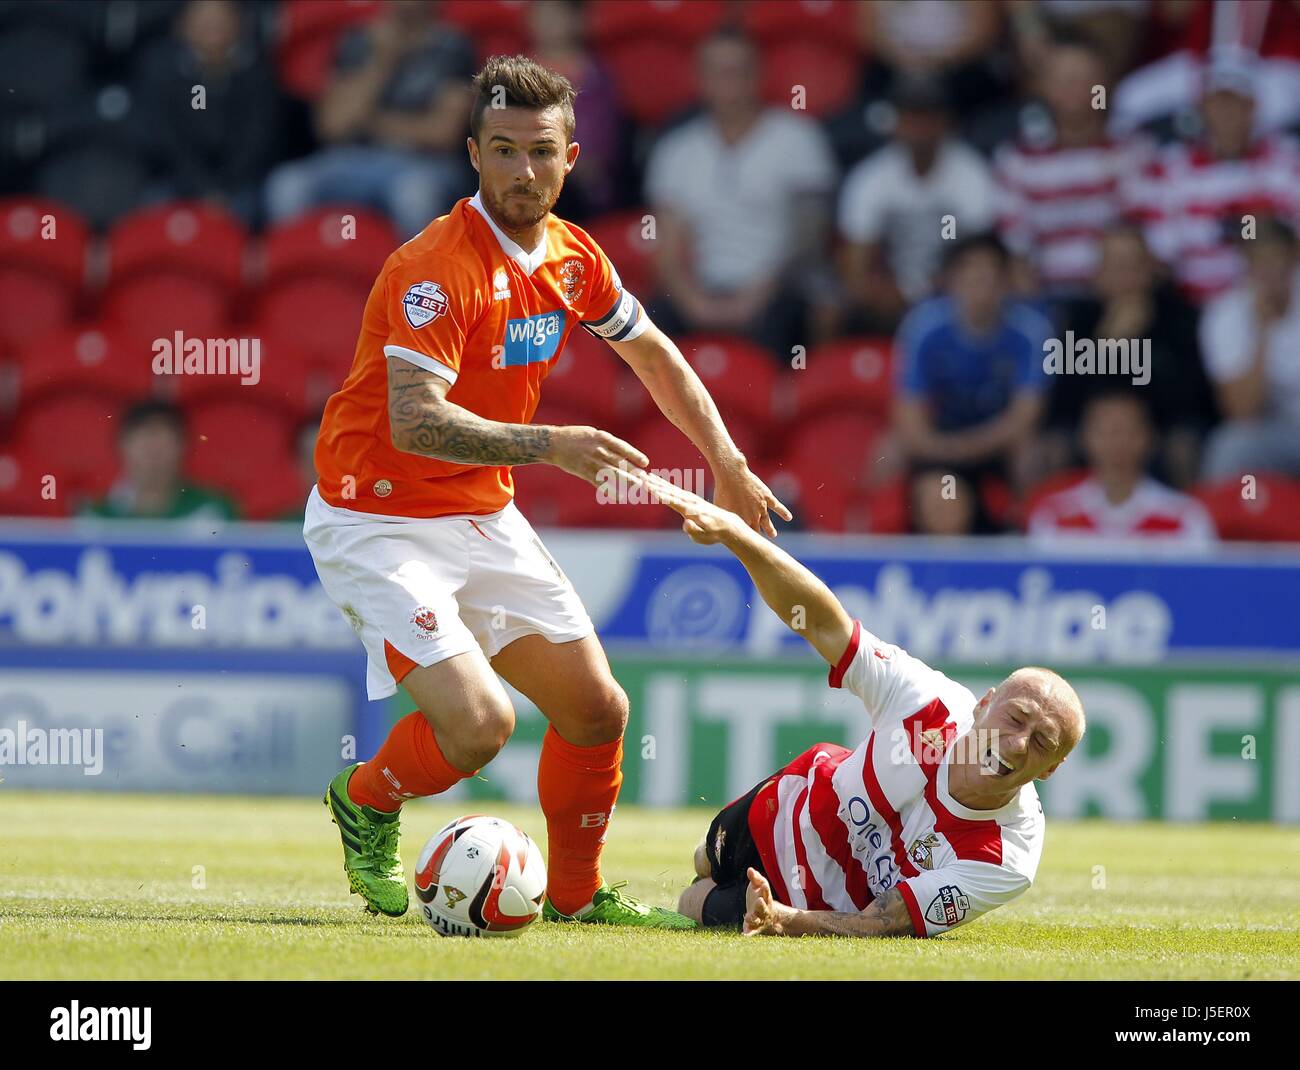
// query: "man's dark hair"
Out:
[146,412]
[519,82]
[1104,393]
[987,242]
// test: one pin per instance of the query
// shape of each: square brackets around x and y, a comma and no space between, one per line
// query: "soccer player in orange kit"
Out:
[412,527]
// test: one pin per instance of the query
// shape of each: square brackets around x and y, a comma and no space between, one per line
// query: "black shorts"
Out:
[731,852]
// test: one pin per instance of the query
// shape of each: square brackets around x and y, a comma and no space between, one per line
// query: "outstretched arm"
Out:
[792,592]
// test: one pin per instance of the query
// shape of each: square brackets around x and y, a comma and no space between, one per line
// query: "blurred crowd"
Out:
[864,222]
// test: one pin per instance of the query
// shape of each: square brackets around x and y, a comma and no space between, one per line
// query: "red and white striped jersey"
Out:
[837,827]
[1151,511]
[1192,205]
[1055,203]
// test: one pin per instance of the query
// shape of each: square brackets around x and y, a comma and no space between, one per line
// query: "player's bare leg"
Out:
[463,720]
[579,775]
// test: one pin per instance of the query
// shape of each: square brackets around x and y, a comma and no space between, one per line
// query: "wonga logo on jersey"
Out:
[423,303]
[533,339]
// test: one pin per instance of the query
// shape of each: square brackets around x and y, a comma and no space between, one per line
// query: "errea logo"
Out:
[500,285]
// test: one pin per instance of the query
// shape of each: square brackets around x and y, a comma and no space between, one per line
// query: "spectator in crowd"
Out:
[741,197]
[943,503]
[152,442]
[970,366]
[1134,301]
[213,108]
[953,41]
[393,119]
[1060,186]
[893,205]
[1194,197]
[1251,340]
[1118,499]
[557,33]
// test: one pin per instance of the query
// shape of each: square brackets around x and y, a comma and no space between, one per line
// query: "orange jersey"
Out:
[465,302]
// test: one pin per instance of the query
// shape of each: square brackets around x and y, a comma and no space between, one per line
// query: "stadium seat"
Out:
[150,307]
[183,236]
[829,75]
[741,376]
[488,18]
[683,21]
[842,446]
[42,235]
[832,22]
[21,475]
[668,448]
[309,34]
[322,243]
[244,448]
[655,77]
[1272,515]
[620,235]
[853,374]
[72,437]
[102,358]
[549,497]
[31,304]
[321,315]
[285,379]
[585,377]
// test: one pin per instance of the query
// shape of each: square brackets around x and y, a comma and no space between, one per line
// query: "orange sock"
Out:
[408,765]
[577,787]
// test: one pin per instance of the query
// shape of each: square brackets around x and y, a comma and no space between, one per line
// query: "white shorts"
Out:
[420,591]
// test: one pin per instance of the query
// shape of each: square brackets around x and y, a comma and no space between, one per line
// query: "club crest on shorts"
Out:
[425,619]
[424,302]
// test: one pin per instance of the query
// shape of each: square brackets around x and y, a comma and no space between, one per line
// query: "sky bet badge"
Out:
[424,302]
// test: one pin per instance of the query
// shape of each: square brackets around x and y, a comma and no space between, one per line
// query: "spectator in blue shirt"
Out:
[970,371]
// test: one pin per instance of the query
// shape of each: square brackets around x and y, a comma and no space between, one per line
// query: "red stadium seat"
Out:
[654,76]
[829,76]
[881,510]
[669,449]
[842,446]
[41,235]
[479,18]
[321,315]
[586,376]
[853,374]
[74,438]
[185,236]
[832,22]
[683,21]
[549,497]
[153,307]
[326,242]
[22,472]
[620,234]
[309,36]
[246,449]
[285,379]
[32,303]
[100,358]
[741,376]
[1272,515]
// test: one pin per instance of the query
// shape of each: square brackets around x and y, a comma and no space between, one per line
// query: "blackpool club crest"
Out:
[424,302]
[572,273]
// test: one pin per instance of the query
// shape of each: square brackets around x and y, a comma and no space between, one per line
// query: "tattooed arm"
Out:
[887,915]
[424,422]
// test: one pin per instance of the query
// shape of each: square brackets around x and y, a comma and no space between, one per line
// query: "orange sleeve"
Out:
[432,306]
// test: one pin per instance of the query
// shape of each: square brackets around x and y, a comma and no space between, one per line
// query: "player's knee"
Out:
[691,901]
[609,718]
[702,867]
[479,735]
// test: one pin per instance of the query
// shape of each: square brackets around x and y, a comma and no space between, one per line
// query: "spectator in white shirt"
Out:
[1118,499]
[893,206]
[741,200]
[1250,338]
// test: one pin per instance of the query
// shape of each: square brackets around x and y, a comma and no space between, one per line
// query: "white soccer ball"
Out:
[480,876]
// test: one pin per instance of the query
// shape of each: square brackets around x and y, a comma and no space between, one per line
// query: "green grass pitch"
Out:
[104,886]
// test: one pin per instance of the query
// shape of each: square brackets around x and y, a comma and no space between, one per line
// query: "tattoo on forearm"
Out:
[420,424]
[886,916]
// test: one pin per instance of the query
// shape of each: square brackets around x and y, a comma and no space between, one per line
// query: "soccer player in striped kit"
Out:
[931,821]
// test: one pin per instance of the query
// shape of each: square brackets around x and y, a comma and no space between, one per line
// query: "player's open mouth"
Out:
[996,764]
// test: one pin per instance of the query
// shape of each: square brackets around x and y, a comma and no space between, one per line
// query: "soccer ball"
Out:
[480,876]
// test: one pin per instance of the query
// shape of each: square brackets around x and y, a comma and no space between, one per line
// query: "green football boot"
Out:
[610,906]
[370,849]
